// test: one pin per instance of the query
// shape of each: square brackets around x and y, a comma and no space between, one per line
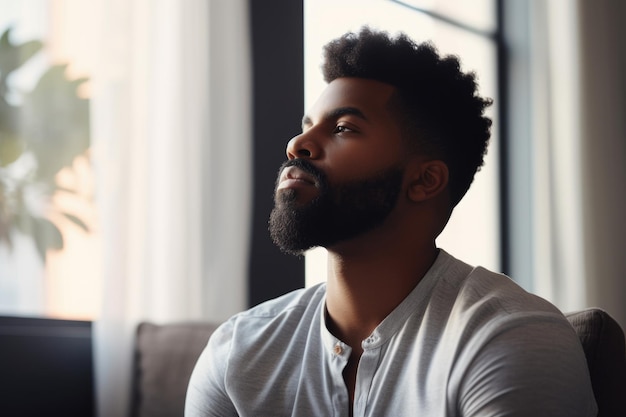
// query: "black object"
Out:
[46,367]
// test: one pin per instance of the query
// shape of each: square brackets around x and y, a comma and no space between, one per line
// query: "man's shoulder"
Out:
[284,315]
[293,301]
[487,301]
[493,288]
[469,286]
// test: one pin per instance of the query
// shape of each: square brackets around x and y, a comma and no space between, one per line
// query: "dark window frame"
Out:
[277,38]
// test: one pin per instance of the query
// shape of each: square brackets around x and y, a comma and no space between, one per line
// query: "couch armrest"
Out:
[165,356]
[605,350]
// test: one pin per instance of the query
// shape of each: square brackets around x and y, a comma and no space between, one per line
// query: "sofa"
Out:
[166,354]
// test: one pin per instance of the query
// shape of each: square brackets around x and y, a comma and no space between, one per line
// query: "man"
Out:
[401,328]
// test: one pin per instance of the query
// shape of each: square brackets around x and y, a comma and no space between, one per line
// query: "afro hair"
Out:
[439,108]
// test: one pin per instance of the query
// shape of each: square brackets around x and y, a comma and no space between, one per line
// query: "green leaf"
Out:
[46,235]
[78,222]
[55,122]
[11,143]
[13,56]
[11,148]
[6,218]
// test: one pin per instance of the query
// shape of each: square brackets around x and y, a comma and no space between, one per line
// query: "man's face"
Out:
[344,172]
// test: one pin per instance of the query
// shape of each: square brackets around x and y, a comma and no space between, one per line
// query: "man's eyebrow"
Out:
[335,114]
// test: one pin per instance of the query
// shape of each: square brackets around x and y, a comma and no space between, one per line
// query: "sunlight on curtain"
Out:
[171,131]
[559,259]
[567,151]
[603,105]
[473,232]
[546,225]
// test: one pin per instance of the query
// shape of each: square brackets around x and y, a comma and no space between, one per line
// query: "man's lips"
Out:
[293,177]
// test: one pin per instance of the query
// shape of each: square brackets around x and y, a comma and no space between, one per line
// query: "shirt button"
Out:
[338,349]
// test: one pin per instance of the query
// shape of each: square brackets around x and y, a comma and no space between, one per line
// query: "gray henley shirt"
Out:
[465,342]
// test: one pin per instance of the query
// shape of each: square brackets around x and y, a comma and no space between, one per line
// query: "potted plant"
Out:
[42,131]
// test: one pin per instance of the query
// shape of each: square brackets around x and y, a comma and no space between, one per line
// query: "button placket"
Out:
[338,359]
[365,376]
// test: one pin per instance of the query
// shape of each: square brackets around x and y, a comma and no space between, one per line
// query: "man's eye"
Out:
[341,129]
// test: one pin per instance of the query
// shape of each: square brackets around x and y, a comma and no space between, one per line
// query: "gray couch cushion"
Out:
[164,359]
[603,342]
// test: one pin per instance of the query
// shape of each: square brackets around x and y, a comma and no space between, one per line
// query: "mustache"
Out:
[307,167]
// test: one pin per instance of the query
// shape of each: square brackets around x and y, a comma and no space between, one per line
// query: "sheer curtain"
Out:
[568,151]
[171,133]
[558,247]
[603,65]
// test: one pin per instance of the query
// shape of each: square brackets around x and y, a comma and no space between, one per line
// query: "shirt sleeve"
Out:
[206,393]
[528,367]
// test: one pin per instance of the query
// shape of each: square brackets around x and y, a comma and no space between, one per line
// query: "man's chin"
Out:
[292,251]
[290,232]
[287,245]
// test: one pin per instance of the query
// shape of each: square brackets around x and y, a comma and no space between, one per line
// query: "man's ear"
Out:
[428,179]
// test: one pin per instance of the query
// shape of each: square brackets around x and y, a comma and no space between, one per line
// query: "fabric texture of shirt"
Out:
[464,342]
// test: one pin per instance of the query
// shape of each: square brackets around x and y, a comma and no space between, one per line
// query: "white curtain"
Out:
[603,127]
[569,161]
[558,252]
[171,134]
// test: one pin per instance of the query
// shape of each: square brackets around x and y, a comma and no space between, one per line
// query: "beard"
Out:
[338,213]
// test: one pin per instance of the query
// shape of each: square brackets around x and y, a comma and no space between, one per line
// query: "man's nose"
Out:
[303,146]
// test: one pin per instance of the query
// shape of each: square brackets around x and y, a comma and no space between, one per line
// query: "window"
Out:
[473,233]
[48,239]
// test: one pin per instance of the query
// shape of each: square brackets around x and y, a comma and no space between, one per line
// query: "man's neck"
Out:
[367,283]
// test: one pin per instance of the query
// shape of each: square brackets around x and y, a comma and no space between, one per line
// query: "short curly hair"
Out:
[438,105]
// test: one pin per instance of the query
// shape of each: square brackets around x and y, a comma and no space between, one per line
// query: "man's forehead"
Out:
[336,113]
[356,96]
